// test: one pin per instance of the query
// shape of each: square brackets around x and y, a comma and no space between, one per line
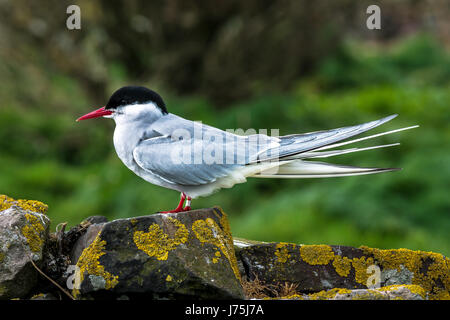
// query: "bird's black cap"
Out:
[135,95]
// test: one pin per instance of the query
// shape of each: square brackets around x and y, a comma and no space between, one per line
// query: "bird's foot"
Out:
[175,210]
[180,208]
[188,204]
[187,208]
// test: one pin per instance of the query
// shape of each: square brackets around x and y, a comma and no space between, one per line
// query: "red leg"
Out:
[179,208]
[188,204]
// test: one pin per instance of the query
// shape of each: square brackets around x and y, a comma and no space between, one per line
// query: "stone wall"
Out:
[193,255]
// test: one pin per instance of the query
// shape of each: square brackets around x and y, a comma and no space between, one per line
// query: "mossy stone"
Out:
[188,254]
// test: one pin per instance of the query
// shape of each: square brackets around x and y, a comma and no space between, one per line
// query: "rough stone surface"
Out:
[394,292]
[193,255]
[315,268]
[179,255]
[43,296]
[23,234]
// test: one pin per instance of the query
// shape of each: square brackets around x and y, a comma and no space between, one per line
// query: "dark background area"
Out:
[292,65]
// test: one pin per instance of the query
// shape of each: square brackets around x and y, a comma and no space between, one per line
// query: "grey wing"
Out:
[180,161]
[175,126]
[182,152]
[298,143]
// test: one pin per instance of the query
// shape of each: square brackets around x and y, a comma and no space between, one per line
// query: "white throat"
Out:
[133,124]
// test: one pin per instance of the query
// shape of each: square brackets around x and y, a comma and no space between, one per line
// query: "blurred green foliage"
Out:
[72,167]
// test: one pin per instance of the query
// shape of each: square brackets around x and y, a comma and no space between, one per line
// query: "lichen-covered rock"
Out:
[192,255]
[315,268]
[394,292]
[176,255]
[43,296]
[23,234]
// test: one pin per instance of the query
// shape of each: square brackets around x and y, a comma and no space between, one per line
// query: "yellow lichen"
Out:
[289,297]
[316,254]
[223,220]
[328,294]
[89,263]
[29,205]
[370,294]
[342,265]
[228,241]
[39,295]
[281,251]
[431,271]
[360,265]
[34,232]
[414,289]
[156,243]
[217,256]
[208,231]
[377,293]
[381,293]
[3,290]
[394,258]
[434,279]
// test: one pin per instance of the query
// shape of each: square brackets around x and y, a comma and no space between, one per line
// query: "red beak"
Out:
[95,114]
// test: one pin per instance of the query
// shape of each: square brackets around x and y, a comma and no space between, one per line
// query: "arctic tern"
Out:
[196,159]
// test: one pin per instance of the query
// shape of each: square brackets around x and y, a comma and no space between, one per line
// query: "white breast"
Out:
[127,136]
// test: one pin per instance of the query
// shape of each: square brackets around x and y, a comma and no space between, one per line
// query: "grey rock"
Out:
[319,268]
[44,296]
[160,256]
[310,268]
[23,236]
[95,220]
[393,276]
[395,292]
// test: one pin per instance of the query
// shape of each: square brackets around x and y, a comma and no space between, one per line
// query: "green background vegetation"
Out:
[317,76]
